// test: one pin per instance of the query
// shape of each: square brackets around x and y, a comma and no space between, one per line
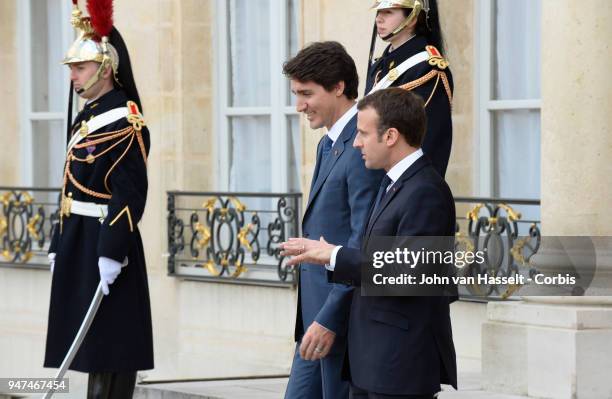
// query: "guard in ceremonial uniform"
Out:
[414,61]
[103,198]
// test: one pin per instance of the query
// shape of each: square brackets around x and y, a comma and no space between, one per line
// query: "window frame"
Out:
[278,111]
[486,105]
[26,113]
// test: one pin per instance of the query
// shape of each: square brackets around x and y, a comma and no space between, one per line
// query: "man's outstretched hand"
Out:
[304,250]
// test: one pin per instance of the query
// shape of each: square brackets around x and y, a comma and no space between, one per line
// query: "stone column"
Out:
[559,347]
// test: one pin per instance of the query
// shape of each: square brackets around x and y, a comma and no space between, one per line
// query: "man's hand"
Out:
[317,342]
[307,251]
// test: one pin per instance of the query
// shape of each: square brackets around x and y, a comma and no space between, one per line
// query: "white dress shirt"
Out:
[340,124]
[394,174]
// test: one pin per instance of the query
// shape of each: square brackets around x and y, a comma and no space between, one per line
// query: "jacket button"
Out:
[306,235]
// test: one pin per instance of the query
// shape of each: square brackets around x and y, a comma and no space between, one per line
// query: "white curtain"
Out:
[292,40]
[251,157]
[293,123]
[517,77]
[48,90]
[250,53]
[250,87]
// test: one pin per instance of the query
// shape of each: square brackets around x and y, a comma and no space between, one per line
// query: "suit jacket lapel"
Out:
[323,168]
[397,186]
[317,168]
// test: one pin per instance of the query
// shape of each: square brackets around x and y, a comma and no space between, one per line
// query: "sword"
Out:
[78,340]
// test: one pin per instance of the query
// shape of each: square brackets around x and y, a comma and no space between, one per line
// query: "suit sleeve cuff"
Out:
[332,260]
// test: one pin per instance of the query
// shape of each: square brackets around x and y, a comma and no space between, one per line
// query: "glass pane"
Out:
[250,154]
[294,158]
[517,148]
[47,49]
[517,160]
[250,53]
[517,49]
[48,150]
[292,38]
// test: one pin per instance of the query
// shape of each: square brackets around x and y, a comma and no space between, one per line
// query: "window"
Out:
[257,126]
[508,77]
[45,34]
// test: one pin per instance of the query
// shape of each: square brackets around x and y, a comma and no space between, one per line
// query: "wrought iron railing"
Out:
[507,231]
[27,218]
[231,237]
[235,237]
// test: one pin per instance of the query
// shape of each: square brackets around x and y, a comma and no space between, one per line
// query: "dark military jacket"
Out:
[433,81]
[108,167]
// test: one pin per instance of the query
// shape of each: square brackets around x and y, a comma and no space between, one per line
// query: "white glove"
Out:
[109,270]
[51,257]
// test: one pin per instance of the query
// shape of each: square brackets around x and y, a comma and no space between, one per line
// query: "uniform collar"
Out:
[113,99]
[406,50]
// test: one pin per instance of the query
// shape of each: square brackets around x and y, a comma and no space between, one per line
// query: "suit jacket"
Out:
[402,345]
[341,194]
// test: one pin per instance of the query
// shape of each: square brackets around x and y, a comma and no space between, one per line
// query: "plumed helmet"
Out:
[93,41]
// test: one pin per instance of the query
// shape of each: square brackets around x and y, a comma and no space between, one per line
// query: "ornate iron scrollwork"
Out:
[22,224]
[225,237]
[496,233]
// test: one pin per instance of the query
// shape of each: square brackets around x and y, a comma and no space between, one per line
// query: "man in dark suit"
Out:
[398,346]
[324,80]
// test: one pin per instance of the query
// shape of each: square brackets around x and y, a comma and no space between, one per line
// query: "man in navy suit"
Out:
[324,80]
[398,346]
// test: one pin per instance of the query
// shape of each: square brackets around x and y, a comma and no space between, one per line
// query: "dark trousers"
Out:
[358,393]
[111,385]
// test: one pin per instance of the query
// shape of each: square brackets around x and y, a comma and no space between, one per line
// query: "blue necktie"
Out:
[327,146]
[382,191]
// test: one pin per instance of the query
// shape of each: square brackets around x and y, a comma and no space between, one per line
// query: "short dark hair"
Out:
[326,64]
[400,109]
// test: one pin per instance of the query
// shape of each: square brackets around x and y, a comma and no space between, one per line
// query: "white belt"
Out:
[90,209]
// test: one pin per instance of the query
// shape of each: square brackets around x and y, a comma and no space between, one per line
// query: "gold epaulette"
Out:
[436,58]
[137,121]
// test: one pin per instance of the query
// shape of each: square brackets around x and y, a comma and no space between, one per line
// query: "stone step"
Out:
[260,388]
[274,388]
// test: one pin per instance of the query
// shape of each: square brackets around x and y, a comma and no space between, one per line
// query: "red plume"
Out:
[101,14]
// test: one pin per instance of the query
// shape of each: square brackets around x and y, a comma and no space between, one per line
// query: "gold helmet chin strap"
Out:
[416,10]
[107,62]
[96,76]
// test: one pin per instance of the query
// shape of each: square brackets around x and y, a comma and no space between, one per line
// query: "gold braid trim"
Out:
[447,87]
[433,91]
[104,134]
[420,81]
[85,189]
[116,162]
[75,158]
[115,135]
[143,149]
[128,132]
[426,78]
[125,210]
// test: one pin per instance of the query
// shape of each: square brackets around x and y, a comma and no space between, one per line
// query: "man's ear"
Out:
[339,88]
[393,136]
